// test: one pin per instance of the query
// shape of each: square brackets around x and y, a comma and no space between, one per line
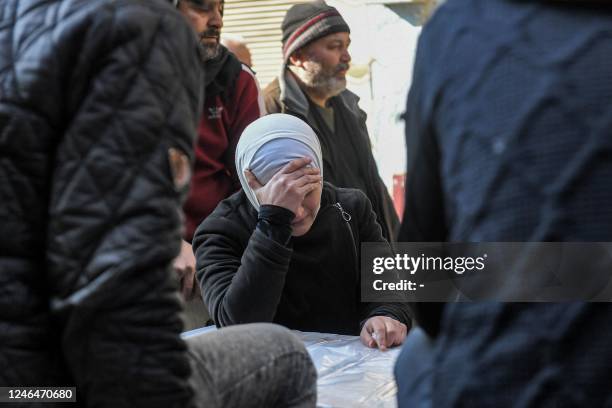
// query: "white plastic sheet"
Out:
[350,374]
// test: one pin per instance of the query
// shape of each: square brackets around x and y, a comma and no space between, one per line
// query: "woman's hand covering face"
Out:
[289,186]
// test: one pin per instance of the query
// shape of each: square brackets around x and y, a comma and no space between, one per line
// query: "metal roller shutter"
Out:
[259,21]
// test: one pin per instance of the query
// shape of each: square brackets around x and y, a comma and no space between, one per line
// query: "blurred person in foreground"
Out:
[98,112]
[508,137]
[286,249]
[312,86]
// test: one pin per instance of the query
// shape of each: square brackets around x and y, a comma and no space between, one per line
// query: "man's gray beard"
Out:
[210,52]
[322,82]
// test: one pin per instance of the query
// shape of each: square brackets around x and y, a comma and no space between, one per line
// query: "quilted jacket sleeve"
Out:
[114,220]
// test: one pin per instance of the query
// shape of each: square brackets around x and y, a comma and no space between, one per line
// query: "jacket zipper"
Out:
[345,216]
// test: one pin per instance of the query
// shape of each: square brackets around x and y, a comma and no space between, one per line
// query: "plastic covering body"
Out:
[350,374]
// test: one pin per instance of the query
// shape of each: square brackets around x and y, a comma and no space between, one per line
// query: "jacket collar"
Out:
[291,95]
[221,72]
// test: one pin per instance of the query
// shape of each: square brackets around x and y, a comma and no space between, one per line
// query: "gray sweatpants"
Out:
[253,365]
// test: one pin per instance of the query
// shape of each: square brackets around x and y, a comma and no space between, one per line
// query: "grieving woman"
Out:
[286,248]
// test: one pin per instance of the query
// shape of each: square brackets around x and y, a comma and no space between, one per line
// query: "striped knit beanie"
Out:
[306,22]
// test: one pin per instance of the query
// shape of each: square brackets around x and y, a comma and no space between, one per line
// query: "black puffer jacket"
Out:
[313,284]
[93,94]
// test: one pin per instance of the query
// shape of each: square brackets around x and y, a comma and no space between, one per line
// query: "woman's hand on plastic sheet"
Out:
[289,186]
[184,267]
[383,332]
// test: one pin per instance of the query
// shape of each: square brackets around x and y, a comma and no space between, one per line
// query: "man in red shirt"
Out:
[232,101]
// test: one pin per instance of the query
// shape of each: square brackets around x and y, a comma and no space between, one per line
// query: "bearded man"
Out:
[312,86]
[232,101]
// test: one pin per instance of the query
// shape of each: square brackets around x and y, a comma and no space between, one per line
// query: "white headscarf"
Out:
[270,143]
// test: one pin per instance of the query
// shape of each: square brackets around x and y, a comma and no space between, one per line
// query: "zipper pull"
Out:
[345,216]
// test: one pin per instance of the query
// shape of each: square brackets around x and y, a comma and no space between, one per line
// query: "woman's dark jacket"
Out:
[312,284]
[93,94]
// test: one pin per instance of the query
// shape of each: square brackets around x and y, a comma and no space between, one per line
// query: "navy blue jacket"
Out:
[509,138]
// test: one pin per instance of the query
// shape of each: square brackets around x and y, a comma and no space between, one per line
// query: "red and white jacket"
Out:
[223,119]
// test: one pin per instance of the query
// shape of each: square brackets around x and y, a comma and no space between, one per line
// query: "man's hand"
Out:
[184,267]
[383,332]
[289,186]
